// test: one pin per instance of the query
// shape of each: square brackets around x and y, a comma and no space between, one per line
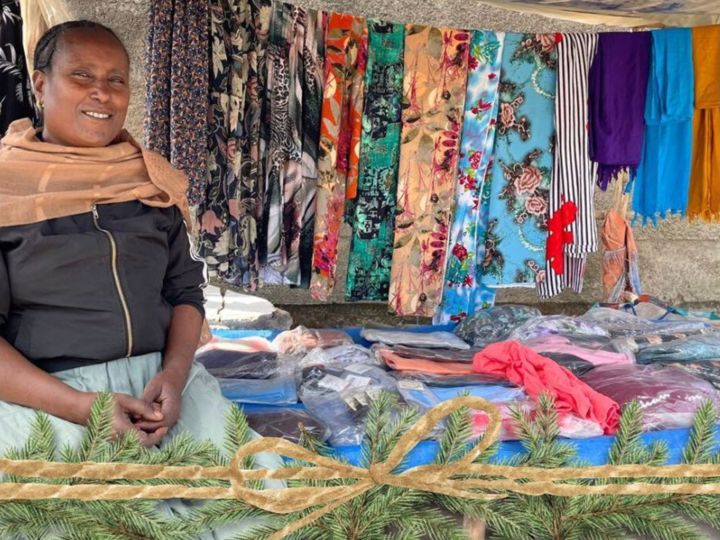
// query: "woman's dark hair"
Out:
[47,45]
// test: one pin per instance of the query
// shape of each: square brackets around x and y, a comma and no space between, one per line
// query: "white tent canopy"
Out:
[621,12]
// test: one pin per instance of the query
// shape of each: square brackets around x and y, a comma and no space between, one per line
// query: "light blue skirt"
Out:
[203,414]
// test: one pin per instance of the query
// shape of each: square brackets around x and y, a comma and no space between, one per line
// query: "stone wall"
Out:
[679,261]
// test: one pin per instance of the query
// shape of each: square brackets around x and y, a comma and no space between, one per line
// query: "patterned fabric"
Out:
[16,99]
[520,184]
[436,62]
[293,72]
[229,208]
[374,219]
[463,293]
[346,48]
[176,102]
[313,80]
[571,234]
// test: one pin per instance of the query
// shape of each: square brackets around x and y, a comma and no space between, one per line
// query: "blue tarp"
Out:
[593,451]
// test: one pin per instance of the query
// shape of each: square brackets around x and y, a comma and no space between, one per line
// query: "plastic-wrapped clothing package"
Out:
[287,423]
[494,324]
[592,354]
[549,325]
[340,397]
[708,370]
[536,374]
[668,396]
[300,340]
[437,340]
[491,393]
[246,344]
[277,390]
[620,323]
[693,348]
[436,355]
[224,360]
[399,363]
[570,426]
[576,366]
[342,354]
[448,381]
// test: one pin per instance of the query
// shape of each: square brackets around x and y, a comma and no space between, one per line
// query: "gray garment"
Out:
[203,414]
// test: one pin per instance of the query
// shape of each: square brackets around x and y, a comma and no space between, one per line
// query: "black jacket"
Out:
[94,287]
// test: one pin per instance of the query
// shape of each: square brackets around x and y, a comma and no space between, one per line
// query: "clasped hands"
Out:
[155,412]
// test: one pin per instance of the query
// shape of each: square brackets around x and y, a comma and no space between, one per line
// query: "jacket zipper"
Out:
[116,277]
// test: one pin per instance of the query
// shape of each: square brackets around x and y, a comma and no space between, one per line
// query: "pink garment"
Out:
[398,363]
[562,345]
[536,374]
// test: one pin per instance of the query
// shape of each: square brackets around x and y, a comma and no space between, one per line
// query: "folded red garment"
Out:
[536,374]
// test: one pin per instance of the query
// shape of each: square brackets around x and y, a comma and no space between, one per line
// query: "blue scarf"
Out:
[663,176]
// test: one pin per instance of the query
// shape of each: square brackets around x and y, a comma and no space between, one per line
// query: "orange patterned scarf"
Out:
[40,180]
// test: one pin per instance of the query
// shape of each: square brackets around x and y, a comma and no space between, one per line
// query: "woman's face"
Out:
[85,91]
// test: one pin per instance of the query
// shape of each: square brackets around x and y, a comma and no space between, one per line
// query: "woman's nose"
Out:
[100,91]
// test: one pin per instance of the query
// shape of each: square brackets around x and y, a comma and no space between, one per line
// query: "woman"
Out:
[98,290]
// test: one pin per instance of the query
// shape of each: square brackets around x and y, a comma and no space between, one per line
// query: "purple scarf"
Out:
[618,81]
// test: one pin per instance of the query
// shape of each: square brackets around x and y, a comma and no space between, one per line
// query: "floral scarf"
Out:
[436,63]
[346,46]
[523,161]
[227,212]
[176,74]
[463,293]
[368,275]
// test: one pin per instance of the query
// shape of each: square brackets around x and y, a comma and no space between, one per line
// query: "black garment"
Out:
[60,305]
[16,100]
[226,363]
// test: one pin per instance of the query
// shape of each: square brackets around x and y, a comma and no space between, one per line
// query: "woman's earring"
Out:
[41,103]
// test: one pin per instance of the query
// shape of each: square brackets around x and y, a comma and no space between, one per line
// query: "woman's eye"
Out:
[82,74]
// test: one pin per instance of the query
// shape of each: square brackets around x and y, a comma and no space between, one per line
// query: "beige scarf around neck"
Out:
[40,180]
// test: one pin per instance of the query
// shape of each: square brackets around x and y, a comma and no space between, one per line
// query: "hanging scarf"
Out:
[520,183]
[40,180]
[620,258]
[345,41]
[15,87]
[176,101]
[704,200]
[227,213]
[663,176]
[436,62]
[618,82]
[572,230]
[463,293]
[288,197]
[368,275]
[312,95]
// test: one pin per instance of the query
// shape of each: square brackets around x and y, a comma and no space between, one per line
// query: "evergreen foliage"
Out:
[384,511]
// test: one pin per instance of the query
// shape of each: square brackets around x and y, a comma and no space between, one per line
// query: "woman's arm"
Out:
[23,383]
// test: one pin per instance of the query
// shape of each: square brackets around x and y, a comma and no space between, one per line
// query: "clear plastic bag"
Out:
[436,355]
[287,423]
[668,396]
[232,361]
[494,324]
[621,324]
[563,325]
[340,397]
[433,340]
[300,340]
[570,425]
[278,390]
[342,354]
[445,381]
[593,350]
[692,348]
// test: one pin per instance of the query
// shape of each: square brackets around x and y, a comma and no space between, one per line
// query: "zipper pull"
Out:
[95,212]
